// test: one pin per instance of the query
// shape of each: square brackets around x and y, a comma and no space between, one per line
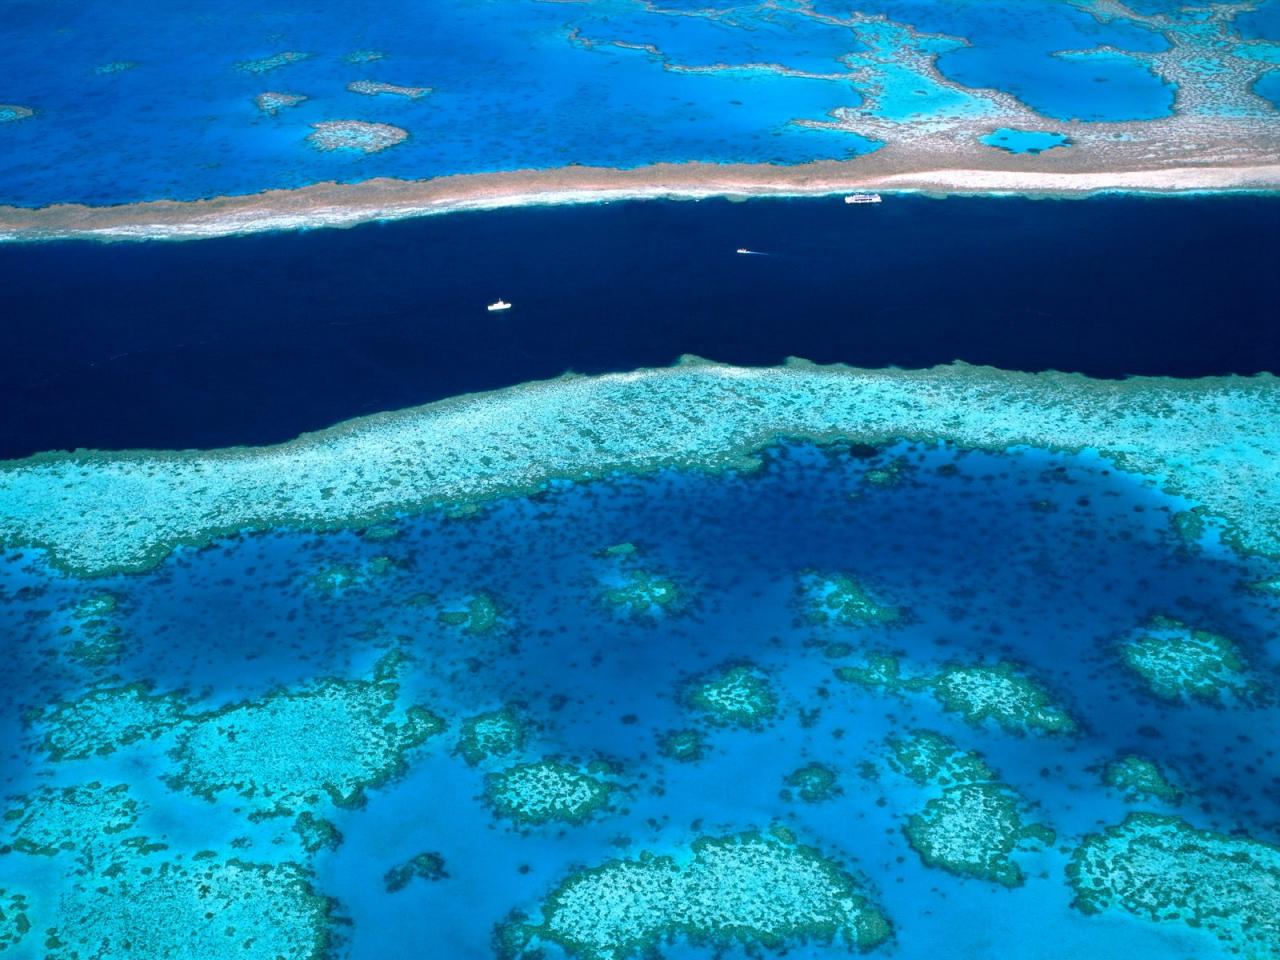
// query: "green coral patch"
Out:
[191,910]
[1162,869]
[738,696]
[478,614]
[56,819]
[972,830]
[812,783]
[494,734]
[14,920]
[751,889]
[333,738]
[926,758]
[1180,663]
[683,746]
[1140,779]
[1016,702]
[427,865]
[641,594]
[839,599]
[535,793]
[107,719]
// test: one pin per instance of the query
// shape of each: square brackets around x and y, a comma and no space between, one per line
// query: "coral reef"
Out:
[190,909]
[355,135]
[273,62]
[427,865]
[1162,869]
[330,739]
[1174,434]
[1140,779]
[14,922]
[106,719]
[973,824]
[1003,693]
[57,819]
[316,833]
[1181,663]
[684,746]
[751,889]
[737,696]
[840,599]
[271,102]
[812,783]
[531,794]
[372,89]
[488,735]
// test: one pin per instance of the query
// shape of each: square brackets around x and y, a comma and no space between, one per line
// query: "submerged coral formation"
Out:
[10,112]
[971,830]
[372,89]
[684,746]
[1165,870]
[840,599]
[14,922]
[273,101]
[812,783]
[535,793]
[106,719]
[1003,693]
[1209,440]
[1140,779]
[477,614]
[96,638]
[751,889]
[316,833]
[640,594]
[57,819]
[973,825]
[427,865]
[1182,663]
[190,909]
[494,734]
[739,696]
[273,62]
[355,135]
[294,747]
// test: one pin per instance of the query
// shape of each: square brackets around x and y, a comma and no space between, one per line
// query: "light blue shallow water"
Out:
[134,101]
[1041,559]
[1025,141]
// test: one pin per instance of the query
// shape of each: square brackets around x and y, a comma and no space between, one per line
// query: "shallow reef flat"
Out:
[1212,441]
[754,889]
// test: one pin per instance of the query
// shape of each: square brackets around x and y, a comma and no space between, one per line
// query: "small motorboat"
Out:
[498,306]
[743,250]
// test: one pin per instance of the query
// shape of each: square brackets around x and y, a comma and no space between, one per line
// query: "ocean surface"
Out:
[253,340]
[128,101]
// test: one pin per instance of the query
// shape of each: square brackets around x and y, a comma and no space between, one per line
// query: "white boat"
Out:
[500,305]
[862,198]
[743,250]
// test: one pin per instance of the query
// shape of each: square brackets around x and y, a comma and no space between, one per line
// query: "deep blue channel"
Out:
[253,340]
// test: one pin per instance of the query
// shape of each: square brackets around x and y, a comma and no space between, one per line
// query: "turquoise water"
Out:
[1039,560]
[135,102]
[1025,141]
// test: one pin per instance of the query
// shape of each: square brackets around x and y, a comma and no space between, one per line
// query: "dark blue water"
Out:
[254,340]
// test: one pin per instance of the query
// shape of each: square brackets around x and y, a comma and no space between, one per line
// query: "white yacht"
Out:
[500,305]
[862,198]
[743,250]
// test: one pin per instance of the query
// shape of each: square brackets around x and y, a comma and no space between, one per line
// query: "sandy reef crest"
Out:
[350,204]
